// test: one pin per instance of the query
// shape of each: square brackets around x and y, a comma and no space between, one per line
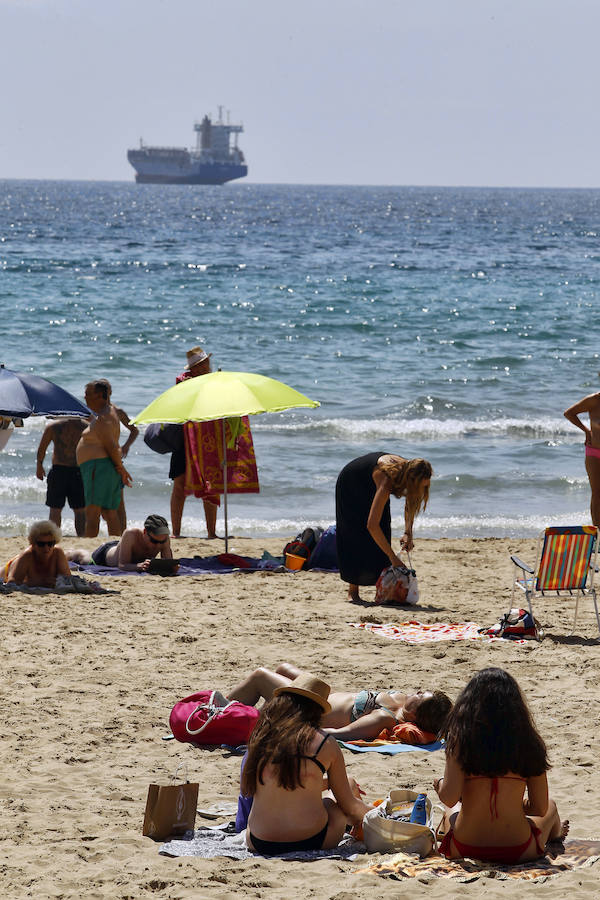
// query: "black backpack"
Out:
[304,543]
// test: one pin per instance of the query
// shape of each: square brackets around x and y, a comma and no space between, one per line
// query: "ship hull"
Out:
[204,175]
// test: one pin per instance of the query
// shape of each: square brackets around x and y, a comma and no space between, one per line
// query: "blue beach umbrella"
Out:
[23,395]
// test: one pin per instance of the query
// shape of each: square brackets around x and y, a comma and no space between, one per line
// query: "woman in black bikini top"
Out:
[288,810]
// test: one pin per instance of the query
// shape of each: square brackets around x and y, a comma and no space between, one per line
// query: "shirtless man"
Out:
[39,565]
[354,715]
[590,405]
[64,478]
[133,433]
[99,458]
[134,551]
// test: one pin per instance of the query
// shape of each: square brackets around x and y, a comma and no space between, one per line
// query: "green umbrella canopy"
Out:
[221,395]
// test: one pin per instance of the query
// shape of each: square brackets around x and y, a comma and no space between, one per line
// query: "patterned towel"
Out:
[574,855]
[421,633]
[209,842]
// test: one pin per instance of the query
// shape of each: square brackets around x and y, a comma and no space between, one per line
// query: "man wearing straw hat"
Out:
[198,363]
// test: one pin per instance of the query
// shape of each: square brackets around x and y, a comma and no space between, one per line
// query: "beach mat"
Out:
[389,747]
[574,854]
[220,564]
[73,584]
[207,843]
[413,632]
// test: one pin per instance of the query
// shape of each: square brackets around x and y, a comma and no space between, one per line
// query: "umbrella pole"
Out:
[225,487]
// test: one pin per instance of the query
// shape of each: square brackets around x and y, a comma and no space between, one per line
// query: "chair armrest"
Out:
[522,565]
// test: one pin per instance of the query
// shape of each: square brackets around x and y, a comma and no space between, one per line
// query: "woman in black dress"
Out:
[363,520]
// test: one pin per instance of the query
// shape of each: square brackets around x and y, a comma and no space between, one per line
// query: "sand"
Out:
[88,683]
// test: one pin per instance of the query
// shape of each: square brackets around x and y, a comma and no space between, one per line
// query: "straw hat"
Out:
[307,685]
[194,356]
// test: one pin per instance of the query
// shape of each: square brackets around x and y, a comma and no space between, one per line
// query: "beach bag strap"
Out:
[213,712]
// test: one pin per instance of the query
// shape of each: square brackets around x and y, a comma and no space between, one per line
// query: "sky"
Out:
[427,92]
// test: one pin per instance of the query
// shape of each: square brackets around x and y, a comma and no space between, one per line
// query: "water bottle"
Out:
[419,810]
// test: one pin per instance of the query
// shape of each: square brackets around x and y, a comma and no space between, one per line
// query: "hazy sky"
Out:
[453,92]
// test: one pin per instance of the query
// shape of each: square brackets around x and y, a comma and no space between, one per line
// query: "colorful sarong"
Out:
[420,633]
[204,455]
[574,854]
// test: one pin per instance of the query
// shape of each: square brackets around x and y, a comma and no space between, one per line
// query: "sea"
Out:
[454,324]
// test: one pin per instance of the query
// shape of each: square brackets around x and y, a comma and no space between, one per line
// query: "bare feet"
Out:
[353,594]
[565,825]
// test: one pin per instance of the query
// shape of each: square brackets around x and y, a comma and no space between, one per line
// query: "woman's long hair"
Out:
[407,477]
[282,737]
[490,730]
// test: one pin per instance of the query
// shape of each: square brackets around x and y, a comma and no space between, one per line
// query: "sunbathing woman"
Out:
[41,563]
[290,763]
[353,715]
[494,752]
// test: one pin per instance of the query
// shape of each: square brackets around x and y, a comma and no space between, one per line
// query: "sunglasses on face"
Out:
[45,543]
[155,541]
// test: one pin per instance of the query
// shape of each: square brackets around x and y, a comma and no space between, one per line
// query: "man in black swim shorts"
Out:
[64,478]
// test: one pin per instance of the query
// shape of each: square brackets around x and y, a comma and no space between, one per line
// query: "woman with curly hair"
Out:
[41,563]
[493,753]
[363,518]
[290,763]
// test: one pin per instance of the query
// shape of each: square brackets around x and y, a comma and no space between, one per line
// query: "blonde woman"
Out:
[42,561]
[363,518]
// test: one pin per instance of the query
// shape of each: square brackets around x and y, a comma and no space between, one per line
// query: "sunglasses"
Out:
[154,541]
[45,543]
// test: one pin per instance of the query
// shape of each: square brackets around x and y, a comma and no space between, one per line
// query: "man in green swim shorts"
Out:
[100,462]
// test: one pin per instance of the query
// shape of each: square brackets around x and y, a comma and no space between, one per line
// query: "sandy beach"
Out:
[88,683]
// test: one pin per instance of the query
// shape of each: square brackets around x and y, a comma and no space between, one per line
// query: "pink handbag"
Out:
[207,717]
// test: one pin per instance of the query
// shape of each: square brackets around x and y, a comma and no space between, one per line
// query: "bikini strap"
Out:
[318,750]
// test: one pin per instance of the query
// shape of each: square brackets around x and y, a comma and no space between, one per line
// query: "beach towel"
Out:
[575,854]
[405,736]
[208,842]
[220,564]
[73,584]
[204,455]
[388,747]
[422,633]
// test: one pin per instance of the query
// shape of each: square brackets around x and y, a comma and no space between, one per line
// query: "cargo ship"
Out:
[214,161]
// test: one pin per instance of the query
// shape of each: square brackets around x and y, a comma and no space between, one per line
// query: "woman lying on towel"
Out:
[42,561]
[355,715]
[290,763]
[494,752]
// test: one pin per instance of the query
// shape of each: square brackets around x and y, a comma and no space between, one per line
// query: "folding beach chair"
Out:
[566,564]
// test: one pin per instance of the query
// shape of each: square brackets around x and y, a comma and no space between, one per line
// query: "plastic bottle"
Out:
[419,810]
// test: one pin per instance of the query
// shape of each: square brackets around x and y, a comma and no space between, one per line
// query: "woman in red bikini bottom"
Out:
[591,406]
[494,752]
[290,763]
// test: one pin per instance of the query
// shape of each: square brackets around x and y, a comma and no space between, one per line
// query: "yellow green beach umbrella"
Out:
[222,395]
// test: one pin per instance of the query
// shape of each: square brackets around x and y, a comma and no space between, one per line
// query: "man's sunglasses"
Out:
[45,543]
[155,541]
